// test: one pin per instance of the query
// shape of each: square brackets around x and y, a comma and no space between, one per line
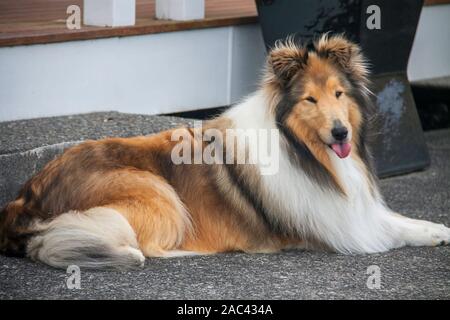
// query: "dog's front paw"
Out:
[424,233]
[436,234]
[413,232]
[442,236]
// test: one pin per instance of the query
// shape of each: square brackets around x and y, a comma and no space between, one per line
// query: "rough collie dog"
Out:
[113,202]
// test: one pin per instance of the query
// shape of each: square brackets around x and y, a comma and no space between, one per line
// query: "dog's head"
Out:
[319,88]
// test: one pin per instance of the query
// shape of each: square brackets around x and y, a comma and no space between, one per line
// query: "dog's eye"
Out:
[338,94]
[311,99]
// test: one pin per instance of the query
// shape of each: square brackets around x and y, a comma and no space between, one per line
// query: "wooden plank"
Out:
[25,22]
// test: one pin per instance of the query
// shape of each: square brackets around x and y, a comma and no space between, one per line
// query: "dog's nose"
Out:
[339,133]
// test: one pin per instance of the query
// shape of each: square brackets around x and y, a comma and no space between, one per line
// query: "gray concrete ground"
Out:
[406,273]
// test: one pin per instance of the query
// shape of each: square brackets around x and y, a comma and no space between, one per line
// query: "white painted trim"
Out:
[230,64]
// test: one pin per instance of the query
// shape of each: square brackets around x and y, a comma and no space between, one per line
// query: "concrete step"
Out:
[27,145]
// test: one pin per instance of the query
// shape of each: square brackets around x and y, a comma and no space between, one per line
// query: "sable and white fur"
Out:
[358,223]
[109,203]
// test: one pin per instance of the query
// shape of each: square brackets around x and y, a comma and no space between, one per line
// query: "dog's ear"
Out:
[345,54]
[286,59]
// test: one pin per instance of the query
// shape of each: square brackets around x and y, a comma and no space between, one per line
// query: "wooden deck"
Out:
[43,21]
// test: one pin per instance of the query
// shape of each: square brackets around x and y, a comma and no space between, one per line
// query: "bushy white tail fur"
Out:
[97,238]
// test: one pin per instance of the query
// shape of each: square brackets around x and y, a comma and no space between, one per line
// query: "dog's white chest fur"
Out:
[315,210]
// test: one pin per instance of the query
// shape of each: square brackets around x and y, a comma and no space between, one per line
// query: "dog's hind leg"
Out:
[156,214]
[138,214]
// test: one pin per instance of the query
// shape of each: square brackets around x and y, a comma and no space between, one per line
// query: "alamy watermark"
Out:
[374,20]
[74,279]
[232,146]
[374,279]
[73,21]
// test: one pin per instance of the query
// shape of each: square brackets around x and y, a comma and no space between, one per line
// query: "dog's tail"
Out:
[97,238]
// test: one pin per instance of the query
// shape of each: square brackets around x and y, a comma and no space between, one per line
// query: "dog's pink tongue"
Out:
[341,149]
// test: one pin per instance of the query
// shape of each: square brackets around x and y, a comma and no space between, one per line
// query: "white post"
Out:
[109,13]
[180,9]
